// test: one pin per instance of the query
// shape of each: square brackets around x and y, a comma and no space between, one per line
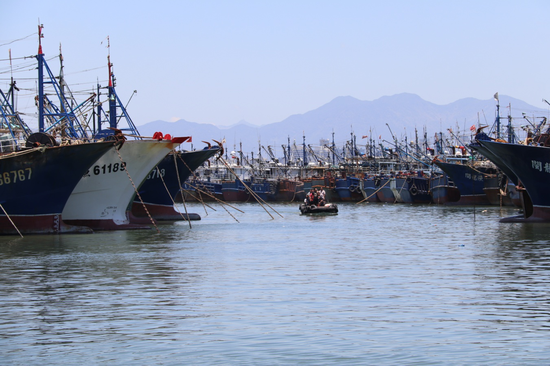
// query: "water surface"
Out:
[377,284]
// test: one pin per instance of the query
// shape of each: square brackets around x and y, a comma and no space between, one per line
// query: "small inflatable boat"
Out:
[312,209]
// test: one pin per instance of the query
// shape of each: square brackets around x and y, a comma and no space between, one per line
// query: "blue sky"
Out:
[221,62]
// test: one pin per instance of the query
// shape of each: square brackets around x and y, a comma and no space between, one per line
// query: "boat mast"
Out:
[111,87]
[511,137]
[333,148]
[497,122]
[40,58]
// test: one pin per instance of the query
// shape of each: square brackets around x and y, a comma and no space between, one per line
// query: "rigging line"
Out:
[17,40]
[15,58]
[222,203]
[400,190]
[179,185]
[81,71]
[167,191]
[9,218]
[199,196]
[137,192]
[252,193]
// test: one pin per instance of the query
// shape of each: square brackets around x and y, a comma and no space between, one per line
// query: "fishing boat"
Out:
[531,166]
[401,190]
[368,188]
[96,203]
[102,198]
[507,187]
[161,186]
[290,190]
[37,182]
[329,208]
[419,188]
[385,188]
[443,190]
[235,190]
[349,188]
[469,180]
[264,189]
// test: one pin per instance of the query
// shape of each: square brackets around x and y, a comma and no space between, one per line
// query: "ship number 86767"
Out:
[14,176]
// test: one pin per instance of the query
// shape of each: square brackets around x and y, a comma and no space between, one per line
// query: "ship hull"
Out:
[442,191]
[162,185]
[531,164]
[369,190]
[469,182]
[102,198]
[37,184]
[386,189]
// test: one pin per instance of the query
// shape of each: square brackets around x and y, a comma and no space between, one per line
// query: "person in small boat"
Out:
[310,197]
[315,200]
[322,197]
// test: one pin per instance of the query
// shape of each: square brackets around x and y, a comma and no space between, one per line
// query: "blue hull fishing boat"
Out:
[443,190]
[264,189]
[349,189]
[419,189]
[369,188]
[512,180]
[164,182]
[35,185]
[469,181]
[531,166]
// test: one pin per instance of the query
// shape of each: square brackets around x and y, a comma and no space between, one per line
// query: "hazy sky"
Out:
[260,61]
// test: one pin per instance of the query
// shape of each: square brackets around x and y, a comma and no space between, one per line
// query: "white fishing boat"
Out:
[103,197]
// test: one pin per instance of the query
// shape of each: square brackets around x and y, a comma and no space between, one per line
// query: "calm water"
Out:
[378,284]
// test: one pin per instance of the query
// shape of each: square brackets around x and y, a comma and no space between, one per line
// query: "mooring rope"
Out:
[9,218]
[363,200]
[179,185]
[137,192]
[258,198]
[401,189]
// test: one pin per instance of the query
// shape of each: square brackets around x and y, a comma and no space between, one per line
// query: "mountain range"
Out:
[399,115]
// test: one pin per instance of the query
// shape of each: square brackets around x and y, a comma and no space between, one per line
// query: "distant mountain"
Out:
[344,115]
[242,122]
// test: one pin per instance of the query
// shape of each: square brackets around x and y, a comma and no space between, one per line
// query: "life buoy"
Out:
[157,136]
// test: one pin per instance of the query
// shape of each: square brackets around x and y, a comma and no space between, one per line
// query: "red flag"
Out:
[473,128]
[364,137]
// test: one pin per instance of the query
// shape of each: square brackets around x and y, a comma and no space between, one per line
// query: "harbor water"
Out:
[377,284]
